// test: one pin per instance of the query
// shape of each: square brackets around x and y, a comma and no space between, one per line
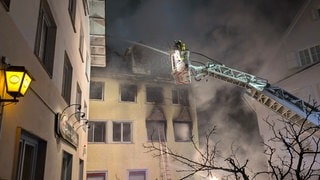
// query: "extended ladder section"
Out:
[228,74]
[287,105]
[277,99]
[164,158]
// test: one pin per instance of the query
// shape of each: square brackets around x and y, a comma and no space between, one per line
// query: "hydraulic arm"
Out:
[275,98]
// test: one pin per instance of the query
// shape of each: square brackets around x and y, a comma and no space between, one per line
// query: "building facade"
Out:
[44,135]
[136,106]
[297,63]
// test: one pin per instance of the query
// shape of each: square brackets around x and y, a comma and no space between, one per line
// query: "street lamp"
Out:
[17,80]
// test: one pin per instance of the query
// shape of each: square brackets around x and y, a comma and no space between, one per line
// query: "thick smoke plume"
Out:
[241,34]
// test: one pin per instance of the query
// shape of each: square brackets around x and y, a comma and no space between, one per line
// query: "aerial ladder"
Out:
[275,98]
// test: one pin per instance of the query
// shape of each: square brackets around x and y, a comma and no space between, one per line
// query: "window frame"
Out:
[102,83]
[66,171]
[81,169]
[67,79]
[78,101]
[178,93]
[138,171]
[122,132]
[190,130]
[81,43]
[97,174]
[154,90]
[6,4]
[91,129]
[150,136]
[308,56]
[128,89]
[72,9]
[38,164]
[45,41]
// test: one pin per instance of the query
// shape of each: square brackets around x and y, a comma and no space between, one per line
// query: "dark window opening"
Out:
[97,132]
[128,93]
[154,95]
[96,90]
[156,130]
[67,79]
[6,4]
[72,12]
[66,170]
[46,37]
[31,156]
[180,96]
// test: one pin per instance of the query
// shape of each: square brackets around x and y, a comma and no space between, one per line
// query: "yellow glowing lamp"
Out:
[17,81]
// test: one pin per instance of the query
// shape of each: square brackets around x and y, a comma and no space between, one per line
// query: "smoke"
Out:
[240,34]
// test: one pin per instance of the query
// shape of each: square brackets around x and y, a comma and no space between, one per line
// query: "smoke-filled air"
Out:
[238,33]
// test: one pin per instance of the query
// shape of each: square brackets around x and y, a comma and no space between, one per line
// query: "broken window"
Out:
[97,132]
[121,132]
[96,90]
[154,95]
[156,130]
[182,130]
[128,93]
[180,96]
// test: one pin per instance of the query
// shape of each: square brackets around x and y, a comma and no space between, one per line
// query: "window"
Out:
[6,4]
[96,90]
[121,132]
[128,93]
[182,131]
[67,79]
[156,130]
[31,156]
[137,175]
[180,96]
[78,101]
[81,165]
[97,176]
[72,12]
[309,55]
[97,132]
[88,66]
[85,6]
[154,95]
[81,42]
[46,37]
[66,170]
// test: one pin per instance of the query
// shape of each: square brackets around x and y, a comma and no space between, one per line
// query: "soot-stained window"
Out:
[154,94]
[96,90]
[182,131]
[156,130]
[128,93]
[180,96]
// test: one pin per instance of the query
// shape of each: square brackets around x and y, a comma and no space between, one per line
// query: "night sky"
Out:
[238,33]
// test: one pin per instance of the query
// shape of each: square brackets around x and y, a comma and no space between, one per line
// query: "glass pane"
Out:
[28,162]
[175,97]
[154,129]
[128,93]
[96,90]
[99,132]
[116,132]
[184,100]
[154,94]
[126,132]
[90,132]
